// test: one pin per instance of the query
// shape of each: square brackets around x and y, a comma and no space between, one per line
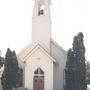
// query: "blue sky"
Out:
[68,18]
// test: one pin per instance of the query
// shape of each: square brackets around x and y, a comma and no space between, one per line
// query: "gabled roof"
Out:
[31,47]
[26,50]
[30,52]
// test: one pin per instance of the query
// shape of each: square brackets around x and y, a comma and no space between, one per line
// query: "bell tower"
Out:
[41,24]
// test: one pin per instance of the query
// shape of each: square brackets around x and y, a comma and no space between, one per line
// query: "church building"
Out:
[43,60]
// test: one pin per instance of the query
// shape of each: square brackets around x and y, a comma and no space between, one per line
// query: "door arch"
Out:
[38,82]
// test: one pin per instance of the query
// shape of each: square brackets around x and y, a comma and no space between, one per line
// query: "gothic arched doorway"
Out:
[38,82]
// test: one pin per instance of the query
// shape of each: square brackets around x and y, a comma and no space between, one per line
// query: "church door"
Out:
[38,80]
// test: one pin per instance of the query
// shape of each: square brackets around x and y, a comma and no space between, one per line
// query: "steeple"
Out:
[41,24]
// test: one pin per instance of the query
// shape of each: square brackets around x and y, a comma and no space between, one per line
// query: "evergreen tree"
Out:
[77,63]
[79,57]
[8,70]
[10,74]
[15,70]
[69,71]
[76,69]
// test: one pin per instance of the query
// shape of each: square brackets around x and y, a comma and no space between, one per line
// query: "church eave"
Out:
[34,49]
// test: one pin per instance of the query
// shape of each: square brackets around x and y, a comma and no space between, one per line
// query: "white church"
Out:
[43,60]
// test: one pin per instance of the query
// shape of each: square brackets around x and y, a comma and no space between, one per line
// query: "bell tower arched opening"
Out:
[41,10]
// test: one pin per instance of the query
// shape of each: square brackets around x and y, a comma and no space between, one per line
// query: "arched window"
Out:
[39,73]
[38,83]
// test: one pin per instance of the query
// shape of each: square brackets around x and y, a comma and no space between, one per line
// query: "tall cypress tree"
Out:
[82,73]
[6,79]
[78,71]
[15,70]
[69,71]
[79,58]
[76,64]
[10,74]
